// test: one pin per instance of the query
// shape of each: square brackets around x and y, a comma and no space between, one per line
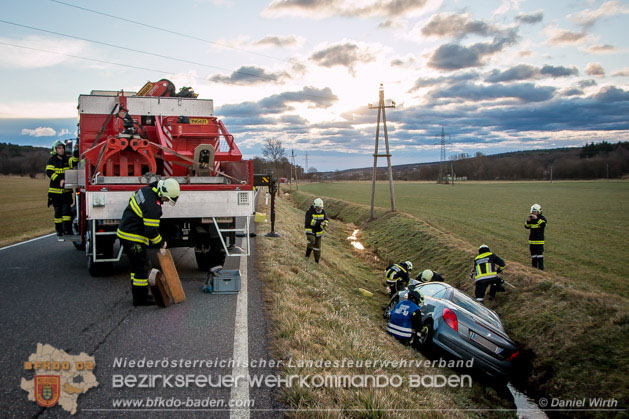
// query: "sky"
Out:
[497,75]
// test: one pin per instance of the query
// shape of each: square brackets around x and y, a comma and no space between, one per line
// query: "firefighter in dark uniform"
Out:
[315,224]
[536,223]
[430,276]
[139,229]
[406,319]
[487,266]
[397,276]
[58,197]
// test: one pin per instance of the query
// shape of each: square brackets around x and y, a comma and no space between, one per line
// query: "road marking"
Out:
[27,241]
[240,392]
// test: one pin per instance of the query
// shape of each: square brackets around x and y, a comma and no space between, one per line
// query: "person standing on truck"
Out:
[406,319]
[397,276]
[59,197]
[315,224]
[139,229]
[487,266]
[536,223]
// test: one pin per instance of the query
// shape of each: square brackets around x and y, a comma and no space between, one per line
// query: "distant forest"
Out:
[592,161]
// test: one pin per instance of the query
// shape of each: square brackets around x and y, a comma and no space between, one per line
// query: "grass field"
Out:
[23,209]
[586,236]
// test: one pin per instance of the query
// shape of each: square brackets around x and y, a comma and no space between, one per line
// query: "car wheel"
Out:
[389,309]
[423,341]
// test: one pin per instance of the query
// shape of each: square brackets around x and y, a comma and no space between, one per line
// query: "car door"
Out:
[431,292]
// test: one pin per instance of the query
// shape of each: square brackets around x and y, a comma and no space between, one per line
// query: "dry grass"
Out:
[577,337]
[317,312]
[24,209]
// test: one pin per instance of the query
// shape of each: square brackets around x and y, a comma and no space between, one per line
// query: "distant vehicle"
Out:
[283,180]
[462,327]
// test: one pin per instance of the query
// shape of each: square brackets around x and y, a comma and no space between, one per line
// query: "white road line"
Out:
[240,392]
[27,241]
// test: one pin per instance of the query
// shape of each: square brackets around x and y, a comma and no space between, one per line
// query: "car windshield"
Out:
[475,308]
[430,289]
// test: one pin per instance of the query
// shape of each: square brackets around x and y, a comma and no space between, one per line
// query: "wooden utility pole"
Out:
[381,108]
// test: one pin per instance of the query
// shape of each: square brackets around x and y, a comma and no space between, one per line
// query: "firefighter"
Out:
[315,224]
[487,266]
[397,276]
[536,223]
[428,276]
[406,319]
[58,197]
[139,229]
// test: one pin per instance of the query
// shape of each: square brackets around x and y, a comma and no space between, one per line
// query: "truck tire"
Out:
[214,257]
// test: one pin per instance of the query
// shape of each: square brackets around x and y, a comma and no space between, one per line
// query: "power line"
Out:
[157,55]
[166,30]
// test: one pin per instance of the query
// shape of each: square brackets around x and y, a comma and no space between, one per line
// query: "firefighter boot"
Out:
[540,263]
[141,296]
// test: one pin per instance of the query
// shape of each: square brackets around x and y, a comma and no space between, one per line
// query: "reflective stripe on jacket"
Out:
[140,220]
[485,266]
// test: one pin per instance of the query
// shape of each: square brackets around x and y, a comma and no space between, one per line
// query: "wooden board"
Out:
[160,291]
[171,276]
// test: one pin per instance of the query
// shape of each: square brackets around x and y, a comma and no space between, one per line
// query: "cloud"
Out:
[39,132]
[529,72]
[63,132]
[587,17]
[249,75]
[524,92]
[586,83]
[454,78]
[563,36]
[18,57]
[507,5]
[612,94]
[530,18]
[406,61]
[319,9]
[277,41]
[621,73]
[572,92]
[456,25]
[601,49]
[346,54]
[455,56]
[594,69]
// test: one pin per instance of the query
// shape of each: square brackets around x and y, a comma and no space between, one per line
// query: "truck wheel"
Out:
[214,257]
[79,245]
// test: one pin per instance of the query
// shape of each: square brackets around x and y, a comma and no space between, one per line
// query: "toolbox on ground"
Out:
[224,281]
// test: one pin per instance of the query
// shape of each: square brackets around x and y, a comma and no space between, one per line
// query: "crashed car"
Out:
[462,327]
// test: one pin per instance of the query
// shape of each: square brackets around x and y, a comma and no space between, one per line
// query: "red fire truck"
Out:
[129,140]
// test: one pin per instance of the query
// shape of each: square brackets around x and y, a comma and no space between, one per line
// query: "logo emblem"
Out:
[47,390]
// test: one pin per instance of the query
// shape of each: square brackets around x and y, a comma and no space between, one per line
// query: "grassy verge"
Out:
[317,313]
[23,210]
[577,338]
[587,221]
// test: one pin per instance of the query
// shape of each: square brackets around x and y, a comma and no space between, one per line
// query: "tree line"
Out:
[23,160]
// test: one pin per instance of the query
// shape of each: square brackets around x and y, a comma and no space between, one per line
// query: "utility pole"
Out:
[381,108]
[306,162]
[442,164]
[551,174]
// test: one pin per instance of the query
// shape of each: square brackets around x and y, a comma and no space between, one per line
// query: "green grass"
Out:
[587,228]
[23,209]
[574,337]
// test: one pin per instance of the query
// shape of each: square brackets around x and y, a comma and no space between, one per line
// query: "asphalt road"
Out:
[47,296]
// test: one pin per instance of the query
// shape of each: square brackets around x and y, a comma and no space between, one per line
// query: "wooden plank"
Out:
[169,272]
[159,289]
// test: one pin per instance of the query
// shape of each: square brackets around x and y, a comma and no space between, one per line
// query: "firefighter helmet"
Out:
[483,248]
[426,276]
[409,265]
[318,202]
[57,144]
[169,189]
[415,296]
[536,208]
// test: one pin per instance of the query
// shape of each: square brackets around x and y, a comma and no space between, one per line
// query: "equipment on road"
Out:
[159,288]
[171,276]
[127,141]
[222,281]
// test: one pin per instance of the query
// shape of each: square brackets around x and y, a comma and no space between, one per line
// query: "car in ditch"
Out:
[462,327]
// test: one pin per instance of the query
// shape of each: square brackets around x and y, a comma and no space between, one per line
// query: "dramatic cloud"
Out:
[621,73]
[572,92]
[530,18]
[346,54]
[277,41]
[456,25]
[529,72]
[594,69]
[39,132]
[525,92]
[249,75]
[562,36]
[456,56]
[587,17]
[455,78]
[612,94]
[318,9]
